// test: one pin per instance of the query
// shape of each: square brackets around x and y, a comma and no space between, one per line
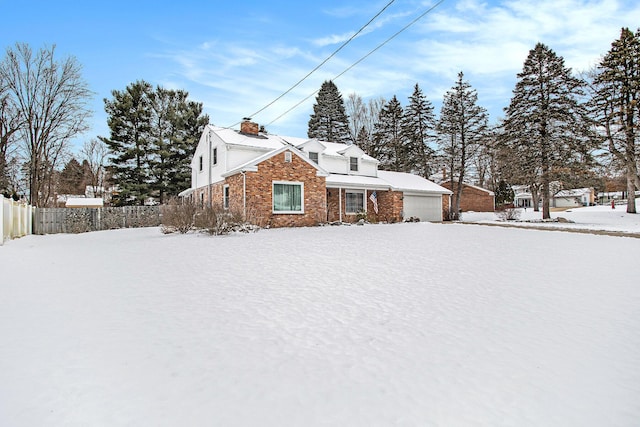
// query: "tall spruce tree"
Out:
[130,126]
[418,127]
[153,135]
[462,127]
[389,141]
[175,128]
[329,122]
[545,129]
[616,105]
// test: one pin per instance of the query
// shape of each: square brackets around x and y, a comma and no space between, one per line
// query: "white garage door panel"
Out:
[427,208]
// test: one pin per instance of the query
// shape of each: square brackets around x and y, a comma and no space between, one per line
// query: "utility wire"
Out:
[322,63]
[361,59]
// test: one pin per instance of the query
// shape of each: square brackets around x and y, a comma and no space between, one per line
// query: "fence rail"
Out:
[80,220]
[15,219]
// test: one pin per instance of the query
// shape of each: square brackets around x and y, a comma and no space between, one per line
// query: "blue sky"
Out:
[236,57]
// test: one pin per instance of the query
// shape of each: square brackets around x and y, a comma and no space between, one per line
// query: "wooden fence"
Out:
[15,219]
[80,220]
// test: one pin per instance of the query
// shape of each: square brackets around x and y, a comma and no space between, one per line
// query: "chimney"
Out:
[248,127]
[444,174]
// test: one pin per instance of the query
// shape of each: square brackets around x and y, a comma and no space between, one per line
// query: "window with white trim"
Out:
[215,156]
[287,156]
[313,156]
[200,163]
[354,202]
[225,196]
[353,164]
[288,197]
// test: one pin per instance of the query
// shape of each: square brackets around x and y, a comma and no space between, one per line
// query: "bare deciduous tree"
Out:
[50,98]
[94,153]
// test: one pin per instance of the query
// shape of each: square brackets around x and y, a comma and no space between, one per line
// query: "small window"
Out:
[288,197]
[214,156]
[200,162]
[287,156]
[355,202]
[353,164]
[225,197]
[313,156]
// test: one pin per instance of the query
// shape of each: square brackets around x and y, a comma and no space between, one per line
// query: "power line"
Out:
[361,59]
[322,63]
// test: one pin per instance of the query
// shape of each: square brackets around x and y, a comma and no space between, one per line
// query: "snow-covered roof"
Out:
[234,137]
[491,193]
[408,182]
[357,181]
[84,202]
[575,192]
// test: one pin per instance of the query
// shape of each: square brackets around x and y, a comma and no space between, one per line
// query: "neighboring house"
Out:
[474,198]
[561,199]
[573,198]
[284,181]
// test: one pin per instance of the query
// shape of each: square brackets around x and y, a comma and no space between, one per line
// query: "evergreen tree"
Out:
[153,136]
[616,105]
[544,132]
[72,179]
[462,127]
[130,126]
[329,121]
[176,126]
[418,128]
[389,143]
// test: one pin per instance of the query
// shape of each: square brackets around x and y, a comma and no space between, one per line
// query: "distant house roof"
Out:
[84,202]
[575,192]
[466,184]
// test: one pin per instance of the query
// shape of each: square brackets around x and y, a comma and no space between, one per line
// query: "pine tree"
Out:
[418,128]
[176,126]
[72,179]
[153,136]
[389,143]
[462,127]
[329,122]
[544,132]
[615,103]
[130,125]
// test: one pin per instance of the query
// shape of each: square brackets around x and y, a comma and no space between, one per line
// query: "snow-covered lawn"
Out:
[380,325]
[600,218]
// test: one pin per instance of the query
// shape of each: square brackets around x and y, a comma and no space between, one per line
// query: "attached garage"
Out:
[424,207]
[421,198]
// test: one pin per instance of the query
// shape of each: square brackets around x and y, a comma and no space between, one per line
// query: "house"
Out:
[474,198]
[286,181]
[573,198]
[561,199]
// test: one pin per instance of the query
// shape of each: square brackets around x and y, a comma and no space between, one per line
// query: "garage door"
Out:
[427,208]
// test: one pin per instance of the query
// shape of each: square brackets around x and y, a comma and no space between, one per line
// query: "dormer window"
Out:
[353,164]
[313,156]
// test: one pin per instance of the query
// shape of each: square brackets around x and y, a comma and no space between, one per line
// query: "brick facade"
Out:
[473,198]
[389,206]
[259,192]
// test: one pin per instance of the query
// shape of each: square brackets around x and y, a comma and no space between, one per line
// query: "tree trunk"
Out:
[632,173]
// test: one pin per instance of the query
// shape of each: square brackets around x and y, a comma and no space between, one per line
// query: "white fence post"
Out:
[16,219]
[1,219]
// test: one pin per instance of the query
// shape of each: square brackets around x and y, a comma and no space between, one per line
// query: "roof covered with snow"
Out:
[84,202]
[408,182]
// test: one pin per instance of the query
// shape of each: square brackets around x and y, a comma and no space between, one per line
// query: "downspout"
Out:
[209,156]
[244,195]
[340,202]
